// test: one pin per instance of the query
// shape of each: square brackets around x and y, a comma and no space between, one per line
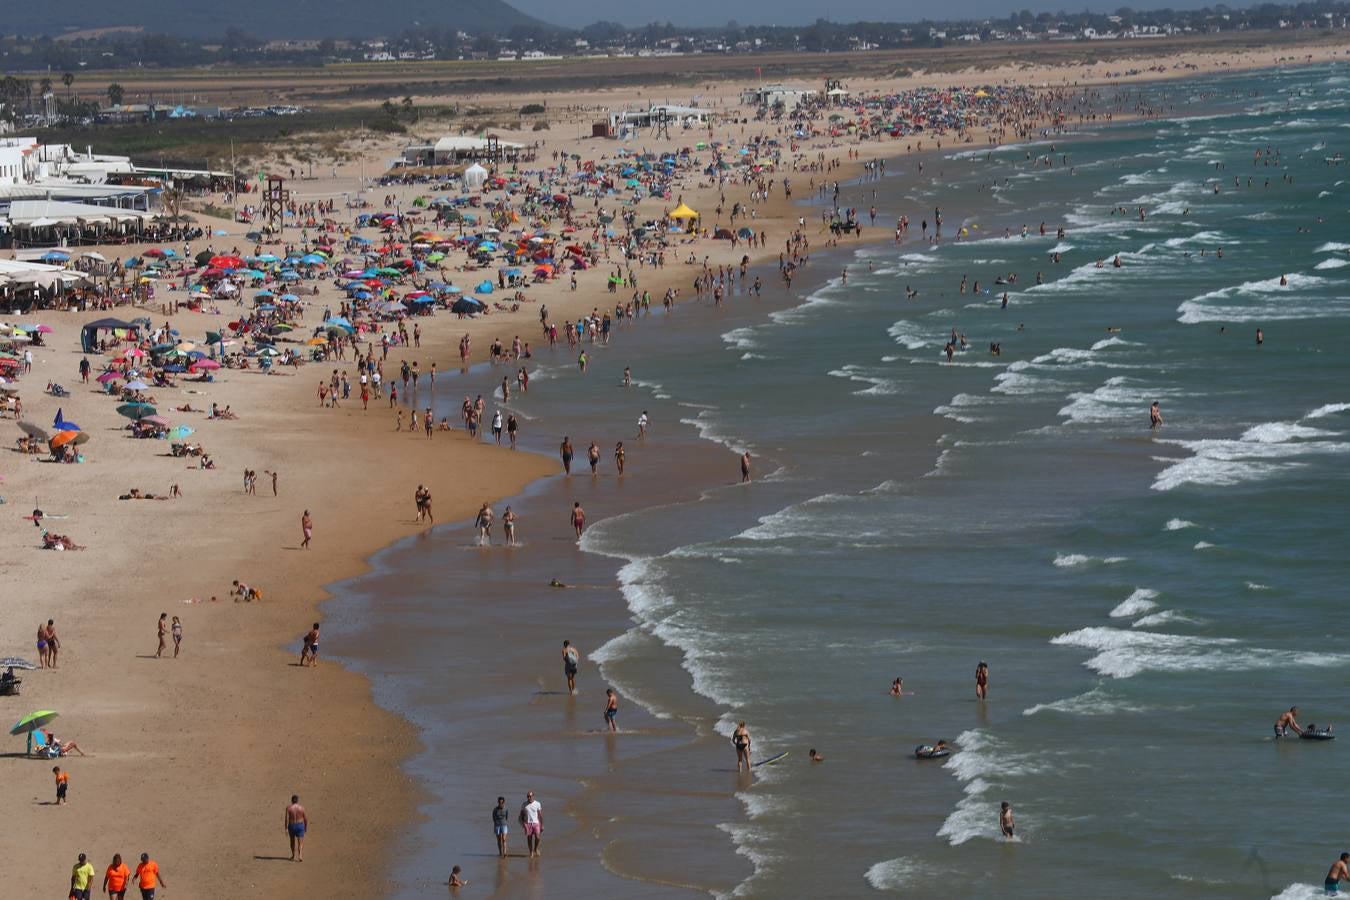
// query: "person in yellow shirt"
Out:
[148,877]
[80,875]
[115,878]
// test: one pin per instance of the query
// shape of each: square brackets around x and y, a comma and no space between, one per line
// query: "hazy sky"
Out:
[796,12]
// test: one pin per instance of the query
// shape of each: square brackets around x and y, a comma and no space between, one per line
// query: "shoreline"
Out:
[356,778]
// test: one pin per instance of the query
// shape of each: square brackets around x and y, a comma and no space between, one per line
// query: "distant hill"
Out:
[269,19]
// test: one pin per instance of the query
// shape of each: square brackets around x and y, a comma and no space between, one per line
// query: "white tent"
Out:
[475,176]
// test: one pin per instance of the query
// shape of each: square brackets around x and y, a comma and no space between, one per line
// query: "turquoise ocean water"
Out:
[1148,601]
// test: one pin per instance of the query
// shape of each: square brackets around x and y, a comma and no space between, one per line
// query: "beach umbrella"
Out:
[33,431]
[33,721]
[203,258]
[108,376]
[204,365]
[136,410]
[60,423]
[136,385]
[53,256]
[61,438]
[156,420]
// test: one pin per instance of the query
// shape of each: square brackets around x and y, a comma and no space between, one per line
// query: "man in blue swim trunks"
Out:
[297,823]
[1339,872]
[500,817]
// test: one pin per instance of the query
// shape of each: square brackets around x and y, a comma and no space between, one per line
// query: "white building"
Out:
[771,95]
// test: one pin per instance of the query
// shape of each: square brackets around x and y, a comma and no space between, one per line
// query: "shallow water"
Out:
[1147,601]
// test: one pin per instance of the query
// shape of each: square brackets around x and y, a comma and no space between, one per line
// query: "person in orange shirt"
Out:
[62,784]
[148,877]
[115,878]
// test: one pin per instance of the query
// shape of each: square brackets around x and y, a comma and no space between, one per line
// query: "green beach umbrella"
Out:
[32,722]
[136,410]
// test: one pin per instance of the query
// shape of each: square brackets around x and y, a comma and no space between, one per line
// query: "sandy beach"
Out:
[193,759]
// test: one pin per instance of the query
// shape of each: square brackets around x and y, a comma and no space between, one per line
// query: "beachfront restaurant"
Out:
[54,223]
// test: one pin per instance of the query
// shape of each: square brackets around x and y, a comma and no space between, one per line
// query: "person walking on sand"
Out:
[745,467]
[1331,884]
[115,878]
[578,518]
[163,629]
[53,642]
[593,457]
[509,526]
[571,659]
[1005,820]
[532,820]
[148,877]
[500,816]
[81,874]
[62,780]
[642,426]
[297,823]
[176,630]
[611,708]
[982,680]
[307,527]
[565,451]
[309,650]
[740,739]
[484,525]
[619,456]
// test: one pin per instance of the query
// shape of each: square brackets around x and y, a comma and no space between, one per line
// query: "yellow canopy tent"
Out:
[683,212]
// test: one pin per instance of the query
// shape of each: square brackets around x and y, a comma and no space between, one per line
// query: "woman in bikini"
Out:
[741,740]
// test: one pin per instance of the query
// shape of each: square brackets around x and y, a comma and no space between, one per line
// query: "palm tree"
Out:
[68,79]
[115,94]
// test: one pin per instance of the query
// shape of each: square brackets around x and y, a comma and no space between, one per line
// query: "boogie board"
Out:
[922,752]
[771,760]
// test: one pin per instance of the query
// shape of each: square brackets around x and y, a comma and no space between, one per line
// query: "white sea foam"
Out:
[1112,341]
[1202,545]
[962,407]
[1178,524]
[1332,247]
[1096,702]
[1329,409]
[899,873]
[741,338]
[710,430]
[1140,601]
[1241,302]
[1332,264]
[1254,586]
[1301,892]
[909,335]
[628,645]
[1163,618]
[876,385]
[1281,432]
[1075,560]
[1118,400]
[1262,452]
[981,763]
[1124,654]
